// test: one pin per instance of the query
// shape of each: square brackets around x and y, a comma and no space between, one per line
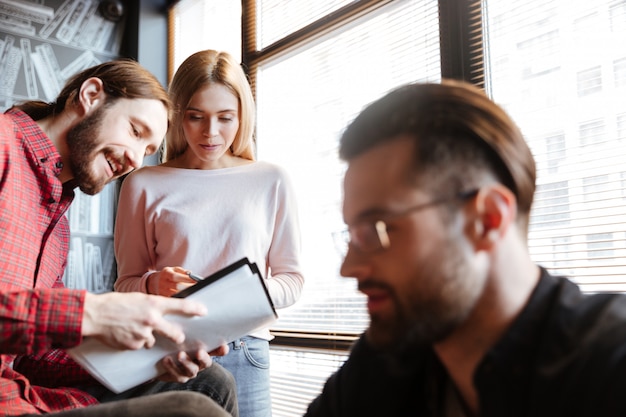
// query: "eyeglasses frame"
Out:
[380,226]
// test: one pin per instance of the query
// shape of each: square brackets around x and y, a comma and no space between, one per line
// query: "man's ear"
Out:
[91,95]
[490,214]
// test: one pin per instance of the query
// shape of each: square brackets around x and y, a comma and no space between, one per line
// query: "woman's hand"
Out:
[169,281]
[183,366]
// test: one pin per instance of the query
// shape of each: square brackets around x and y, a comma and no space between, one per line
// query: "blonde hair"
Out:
[199,70]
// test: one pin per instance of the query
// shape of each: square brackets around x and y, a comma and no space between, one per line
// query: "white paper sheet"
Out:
[237,303]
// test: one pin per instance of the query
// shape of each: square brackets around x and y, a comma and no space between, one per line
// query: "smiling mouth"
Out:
[116,166]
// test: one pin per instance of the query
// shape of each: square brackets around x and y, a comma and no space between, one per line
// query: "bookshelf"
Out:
[91,260]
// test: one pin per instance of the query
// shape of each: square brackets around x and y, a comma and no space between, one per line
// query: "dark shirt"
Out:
[565,355]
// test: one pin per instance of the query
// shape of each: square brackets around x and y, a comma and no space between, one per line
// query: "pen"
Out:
[194,276]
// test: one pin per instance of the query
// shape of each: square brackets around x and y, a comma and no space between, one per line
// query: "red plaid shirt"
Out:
[36,315]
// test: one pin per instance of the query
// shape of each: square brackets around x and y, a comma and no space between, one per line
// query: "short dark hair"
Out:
[459,134]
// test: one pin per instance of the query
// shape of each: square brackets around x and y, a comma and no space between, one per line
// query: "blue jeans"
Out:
[248,360]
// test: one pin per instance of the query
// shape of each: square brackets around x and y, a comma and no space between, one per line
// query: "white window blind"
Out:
[297,376]
[279,18]
[305,98]
[557,67]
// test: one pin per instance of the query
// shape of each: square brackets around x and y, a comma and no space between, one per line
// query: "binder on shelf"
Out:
[237,302]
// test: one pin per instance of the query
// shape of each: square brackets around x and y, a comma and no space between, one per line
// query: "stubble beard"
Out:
[83,141]
[425,319]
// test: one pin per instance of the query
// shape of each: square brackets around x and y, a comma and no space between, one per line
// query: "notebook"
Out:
[237,302]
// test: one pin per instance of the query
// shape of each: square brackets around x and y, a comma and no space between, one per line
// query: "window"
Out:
[600,246]
[306,93]
[304,99]
[582,199]
[589,81]
[591,132]
[617,13]
[552,64]
[621,126]
[277,19]
[596,188]
[551,206]
[619,72]
[195,25]
[541,54]
[555,152]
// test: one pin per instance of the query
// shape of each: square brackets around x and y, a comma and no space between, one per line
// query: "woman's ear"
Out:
[489,215]
[91,95]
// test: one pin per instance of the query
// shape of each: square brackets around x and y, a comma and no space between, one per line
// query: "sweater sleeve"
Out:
[285,280]
[133,236]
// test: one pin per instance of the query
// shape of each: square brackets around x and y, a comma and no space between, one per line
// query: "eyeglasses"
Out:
[372,236]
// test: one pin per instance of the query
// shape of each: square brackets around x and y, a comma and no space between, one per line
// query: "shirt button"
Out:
[59,165]
[51,200]
[42,160]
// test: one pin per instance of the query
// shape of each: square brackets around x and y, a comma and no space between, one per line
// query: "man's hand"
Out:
[131,320]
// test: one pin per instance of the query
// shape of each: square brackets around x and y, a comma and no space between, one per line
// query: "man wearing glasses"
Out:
[437,197]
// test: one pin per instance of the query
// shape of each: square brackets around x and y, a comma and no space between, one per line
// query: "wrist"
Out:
[151,282]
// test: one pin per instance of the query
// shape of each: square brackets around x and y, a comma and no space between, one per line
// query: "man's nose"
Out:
[355,264]
[134,159]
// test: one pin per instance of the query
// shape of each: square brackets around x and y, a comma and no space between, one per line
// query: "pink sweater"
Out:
[203,220]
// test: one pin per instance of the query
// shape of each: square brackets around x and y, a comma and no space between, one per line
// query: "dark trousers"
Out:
[211,394]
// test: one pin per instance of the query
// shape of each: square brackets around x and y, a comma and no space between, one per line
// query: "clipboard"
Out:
[237,301]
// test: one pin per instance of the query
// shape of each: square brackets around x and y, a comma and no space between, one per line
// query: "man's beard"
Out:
[409,328]
[422,321]
[83,141]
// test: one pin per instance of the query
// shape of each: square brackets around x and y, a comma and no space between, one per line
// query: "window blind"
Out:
[557,67]
[297,376]
[305,97]
[278,18]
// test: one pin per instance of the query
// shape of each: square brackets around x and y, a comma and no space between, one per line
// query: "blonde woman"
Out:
[209,204]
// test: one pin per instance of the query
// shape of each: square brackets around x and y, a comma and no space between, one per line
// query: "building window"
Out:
[619,72]
[591,132]
[600,246]
[589,81]
[617,12]
[596,188]
[621,126]
[552,206]
[555,152]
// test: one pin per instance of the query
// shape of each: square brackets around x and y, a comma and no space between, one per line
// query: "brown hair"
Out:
[122,78]
[197,71]
[459,135]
